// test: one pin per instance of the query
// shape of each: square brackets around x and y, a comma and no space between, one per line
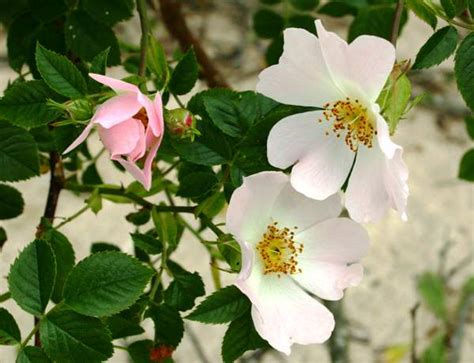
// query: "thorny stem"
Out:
[141,7]
[396,22]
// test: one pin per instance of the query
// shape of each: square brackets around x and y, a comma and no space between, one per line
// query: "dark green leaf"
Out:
[169,327]
[11,8]
[9,332]
[469,120]
[11,202]
[24,104]
[464,70]
[32,354]
[91,176]
[183,290]
[431,289]
[240,337]
[166,227]
[147,243]
[423,11]
[270,2]
[121,327]
[436,351]
[86,37]
[338,9]
[302,21]
[31,278]
[68,337]
[59,73]
[103,246]
[109,11]
[267,23]
[140,351]
[439,47]
[156,62]
[65,259]
[230,251]
[466,169]
[47,10]
[304,5]
[197,184]
[139,218]
[21,34]
[185,74]
[449,8]
[3,238]
[105,283]
[274,51]
[221,307]
[99,62]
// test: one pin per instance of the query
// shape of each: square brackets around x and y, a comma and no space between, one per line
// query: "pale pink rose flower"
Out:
[130,126]
[291,243]
[345,79]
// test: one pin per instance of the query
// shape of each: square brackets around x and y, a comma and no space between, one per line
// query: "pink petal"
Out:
[123,138]
[80,139]
[249,209]
[284,314]
[154,112]
[376,184]
[322,172]
[133,169]
[293,137]
[141,146]
[301,76]
[116,110]
[116,84]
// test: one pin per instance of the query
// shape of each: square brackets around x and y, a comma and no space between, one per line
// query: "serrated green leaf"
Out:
[87,37]
[274,50]
[47,10]
[267,23]
[9,331]
[438,47]
[11,202]
[169,327]
[65,259]
[140,351]
[68,337]
[338,9]
[31,277]
[431,289]
[423,12]
[59,73]
[466,168]
[24,104]
[469,120]
[183,290]
[230,251]
[156,62]
[449,8]
[185,74]
[105,283]
[165,224]
[223,306]
[109,11]
[121,327]
[304,5]
[464,69]
[196,185]
[3,238]
[99,62]
[303,22]
[240,337]
[139,218]
[102,247]
[147,243]
[32,354]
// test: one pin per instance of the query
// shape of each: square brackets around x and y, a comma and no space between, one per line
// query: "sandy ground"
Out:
[440,209]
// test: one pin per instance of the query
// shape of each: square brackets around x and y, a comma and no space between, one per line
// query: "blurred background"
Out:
[412,267]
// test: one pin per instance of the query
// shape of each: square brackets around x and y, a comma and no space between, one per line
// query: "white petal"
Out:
[323,171]
[295,209]
[337,240]
[383,138]
[284,314]
[328,280]
[249,209]
[376,184]
[293,137]
[301,76]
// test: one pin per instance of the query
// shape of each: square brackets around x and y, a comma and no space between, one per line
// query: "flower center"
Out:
[142,116]
[350,117]
[279,250]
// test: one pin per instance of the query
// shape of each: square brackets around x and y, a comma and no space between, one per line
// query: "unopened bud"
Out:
[80,110]
[181,123]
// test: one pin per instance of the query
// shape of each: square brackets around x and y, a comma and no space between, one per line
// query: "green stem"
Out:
[396,22]
[74,216]
[141,7]
[120,347]
[178,101]
[209,224]
[32,333]
[215,273]
[5,296]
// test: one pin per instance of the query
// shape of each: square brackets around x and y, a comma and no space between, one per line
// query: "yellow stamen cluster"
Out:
[142,116]
[351,117]
[279,250]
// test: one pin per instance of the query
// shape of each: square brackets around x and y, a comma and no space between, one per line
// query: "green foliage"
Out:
[240,337]
[464,69]
[436,351]
[449,8]
[466,168]
[469,120]
[267,23]
[59,73]
[68,337]
[140,351]
[169,327]
[31,277]
[103,246]
[338,9]
[394,101]
[185,74]
[166,227]
[24,104]
[274,50]
[9,331]
[105,283]
[431,289]
[304,5]
[183,290]
[222,306]
[47,10]
[86,37]
[109,12]
[157,64]
[147,243]
[438,47]
[32,354]
[196,185]
[121,327]
[11,202]
[423,11]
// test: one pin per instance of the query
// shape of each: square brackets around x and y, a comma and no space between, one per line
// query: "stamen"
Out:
[142,116]
[279,250]
[352,118]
